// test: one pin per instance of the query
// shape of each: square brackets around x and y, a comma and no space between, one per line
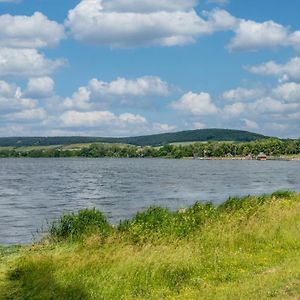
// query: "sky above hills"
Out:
[131,67]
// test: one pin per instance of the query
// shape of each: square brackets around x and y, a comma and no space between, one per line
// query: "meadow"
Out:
[246,248]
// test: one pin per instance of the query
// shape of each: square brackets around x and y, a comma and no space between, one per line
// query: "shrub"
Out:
[247,203]
[157,222]
[73,226]
[283,194]
[152,223]
[188,220]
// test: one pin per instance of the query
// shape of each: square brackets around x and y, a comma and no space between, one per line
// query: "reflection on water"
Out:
[35,190]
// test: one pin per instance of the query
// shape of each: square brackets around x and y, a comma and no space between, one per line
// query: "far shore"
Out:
[279,158]
[271,149]
[182,158]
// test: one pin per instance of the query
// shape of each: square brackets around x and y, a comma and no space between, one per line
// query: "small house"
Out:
[261,156]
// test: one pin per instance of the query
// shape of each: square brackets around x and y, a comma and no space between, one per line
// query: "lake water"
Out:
[34,191]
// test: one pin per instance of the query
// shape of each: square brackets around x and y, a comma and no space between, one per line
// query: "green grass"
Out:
[61,147]
[247,248]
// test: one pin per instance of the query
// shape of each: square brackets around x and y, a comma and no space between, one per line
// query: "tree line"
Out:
[198,135]
[271,147]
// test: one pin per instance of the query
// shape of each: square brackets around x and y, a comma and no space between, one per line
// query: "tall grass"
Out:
[247,248]
[75,226]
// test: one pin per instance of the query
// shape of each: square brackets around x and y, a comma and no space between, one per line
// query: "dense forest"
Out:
[271,147]
[199,135]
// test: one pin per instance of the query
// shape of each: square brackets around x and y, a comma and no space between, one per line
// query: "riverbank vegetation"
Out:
[271,147]
[247,248]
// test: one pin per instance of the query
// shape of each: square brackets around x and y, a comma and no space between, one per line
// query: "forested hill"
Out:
[199,135]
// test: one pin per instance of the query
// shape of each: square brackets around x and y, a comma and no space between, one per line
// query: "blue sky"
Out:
[131,67]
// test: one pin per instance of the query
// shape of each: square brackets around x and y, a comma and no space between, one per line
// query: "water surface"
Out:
[35,190]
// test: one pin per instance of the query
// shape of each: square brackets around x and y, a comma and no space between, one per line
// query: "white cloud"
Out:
[234,109]
[289,91]
[239,94]
[80,99]
[20,37]
[219,20]
[277,126]
[40,87]
[142,86]
[287,71]
[294,116]
[7,90]
[35,114]
[15,104]
[17,109]
[35,31]
[99,118]
[87,119]
[148,5]
[196,104]
[129,118]
[250,35]
[122,90]
[272,110]
[161,127]
[294,39]
[11,98]
[269,104]
[26,63]
[198,125]
[250,124]
[131,23]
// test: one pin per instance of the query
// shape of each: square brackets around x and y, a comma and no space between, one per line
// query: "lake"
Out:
[36,191]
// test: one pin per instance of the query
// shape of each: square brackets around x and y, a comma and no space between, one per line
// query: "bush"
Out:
[73,226]
[189,220]
[148,225]
[156,223]
[249,204]
[234,204]
[283,194]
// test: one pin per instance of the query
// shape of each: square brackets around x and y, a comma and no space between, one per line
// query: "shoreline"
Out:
[239,158]
[246,248]
[276,194]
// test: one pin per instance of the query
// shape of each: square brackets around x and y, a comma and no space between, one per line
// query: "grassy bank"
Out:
[247,248]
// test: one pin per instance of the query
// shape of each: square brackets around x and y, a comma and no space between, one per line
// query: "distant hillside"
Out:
[199,135]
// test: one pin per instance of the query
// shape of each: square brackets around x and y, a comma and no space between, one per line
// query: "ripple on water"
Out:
[34,191]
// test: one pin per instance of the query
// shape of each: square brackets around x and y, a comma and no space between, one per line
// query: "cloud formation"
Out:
[147,6]
[26,63]
[251,35]
[20,39]
[121,91]
[127,106]
[289,91]
[195,104]
[35,31]
[40,87]
[132,23]
[12,99]
[99,118]
[126,23]
[288,71]
[239,94]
